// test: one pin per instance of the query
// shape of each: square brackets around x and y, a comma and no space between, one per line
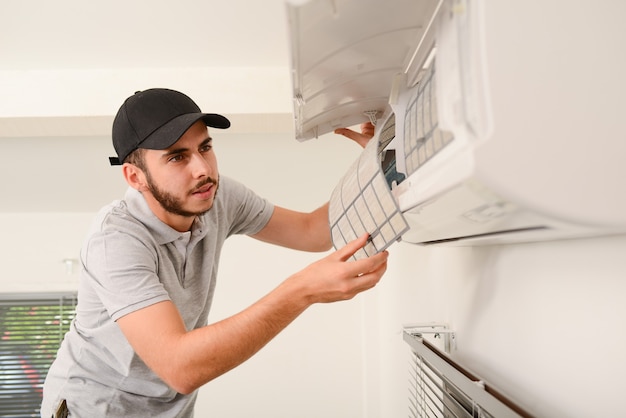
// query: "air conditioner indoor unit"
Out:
[502,121]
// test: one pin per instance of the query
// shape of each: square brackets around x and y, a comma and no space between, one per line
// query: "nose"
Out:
[201,166]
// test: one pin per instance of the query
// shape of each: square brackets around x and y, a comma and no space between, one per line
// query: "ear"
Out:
[134,176]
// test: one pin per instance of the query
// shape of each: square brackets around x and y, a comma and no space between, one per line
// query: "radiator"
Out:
[441,388]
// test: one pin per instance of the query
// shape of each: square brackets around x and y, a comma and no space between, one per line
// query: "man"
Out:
[140,344]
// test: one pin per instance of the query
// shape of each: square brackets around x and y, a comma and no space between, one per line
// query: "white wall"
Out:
[34,246]
[544,323]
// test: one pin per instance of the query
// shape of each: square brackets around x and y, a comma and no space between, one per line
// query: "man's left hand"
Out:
[361,138]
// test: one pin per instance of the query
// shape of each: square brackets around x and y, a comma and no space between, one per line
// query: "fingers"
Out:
[369,264]
[368,129]
[352,247]
[370,278]
[348,133]
[361,138]
[348,250]
[365,265]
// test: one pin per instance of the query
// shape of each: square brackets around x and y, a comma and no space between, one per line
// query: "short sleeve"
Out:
[247,211]
[121,270]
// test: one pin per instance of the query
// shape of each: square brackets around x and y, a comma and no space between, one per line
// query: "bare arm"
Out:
[297,230]
[186,360]
[308,231]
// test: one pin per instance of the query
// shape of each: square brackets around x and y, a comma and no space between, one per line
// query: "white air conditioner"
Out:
[508,119]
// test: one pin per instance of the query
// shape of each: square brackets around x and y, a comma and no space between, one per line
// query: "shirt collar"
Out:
[163,233]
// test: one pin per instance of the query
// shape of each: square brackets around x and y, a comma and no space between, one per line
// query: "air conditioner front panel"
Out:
[559,134]
[466,210]
[345,54]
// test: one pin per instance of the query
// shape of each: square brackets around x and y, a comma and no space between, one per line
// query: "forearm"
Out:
[187,360]
[320,229]
[298,230]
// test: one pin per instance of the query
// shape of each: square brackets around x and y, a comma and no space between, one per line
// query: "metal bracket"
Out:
[437,330]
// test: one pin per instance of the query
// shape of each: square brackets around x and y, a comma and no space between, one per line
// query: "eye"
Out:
[175,158]
[206,148]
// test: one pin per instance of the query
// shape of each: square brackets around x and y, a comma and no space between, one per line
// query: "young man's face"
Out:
[183,178]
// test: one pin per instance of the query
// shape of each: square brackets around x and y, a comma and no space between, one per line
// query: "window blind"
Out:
[31,330]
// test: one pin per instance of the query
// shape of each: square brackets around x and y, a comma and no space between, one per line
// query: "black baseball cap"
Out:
[156,119]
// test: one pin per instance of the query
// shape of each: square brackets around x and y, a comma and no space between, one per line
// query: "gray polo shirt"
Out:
[131,260]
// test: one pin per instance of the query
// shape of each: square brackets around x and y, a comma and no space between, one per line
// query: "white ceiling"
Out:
[67,65]
[97,34]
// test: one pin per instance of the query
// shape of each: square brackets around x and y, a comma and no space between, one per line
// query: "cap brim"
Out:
[168,134]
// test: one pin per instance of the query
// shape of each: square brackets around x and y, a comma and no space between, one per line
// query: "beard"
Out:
[173,204]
